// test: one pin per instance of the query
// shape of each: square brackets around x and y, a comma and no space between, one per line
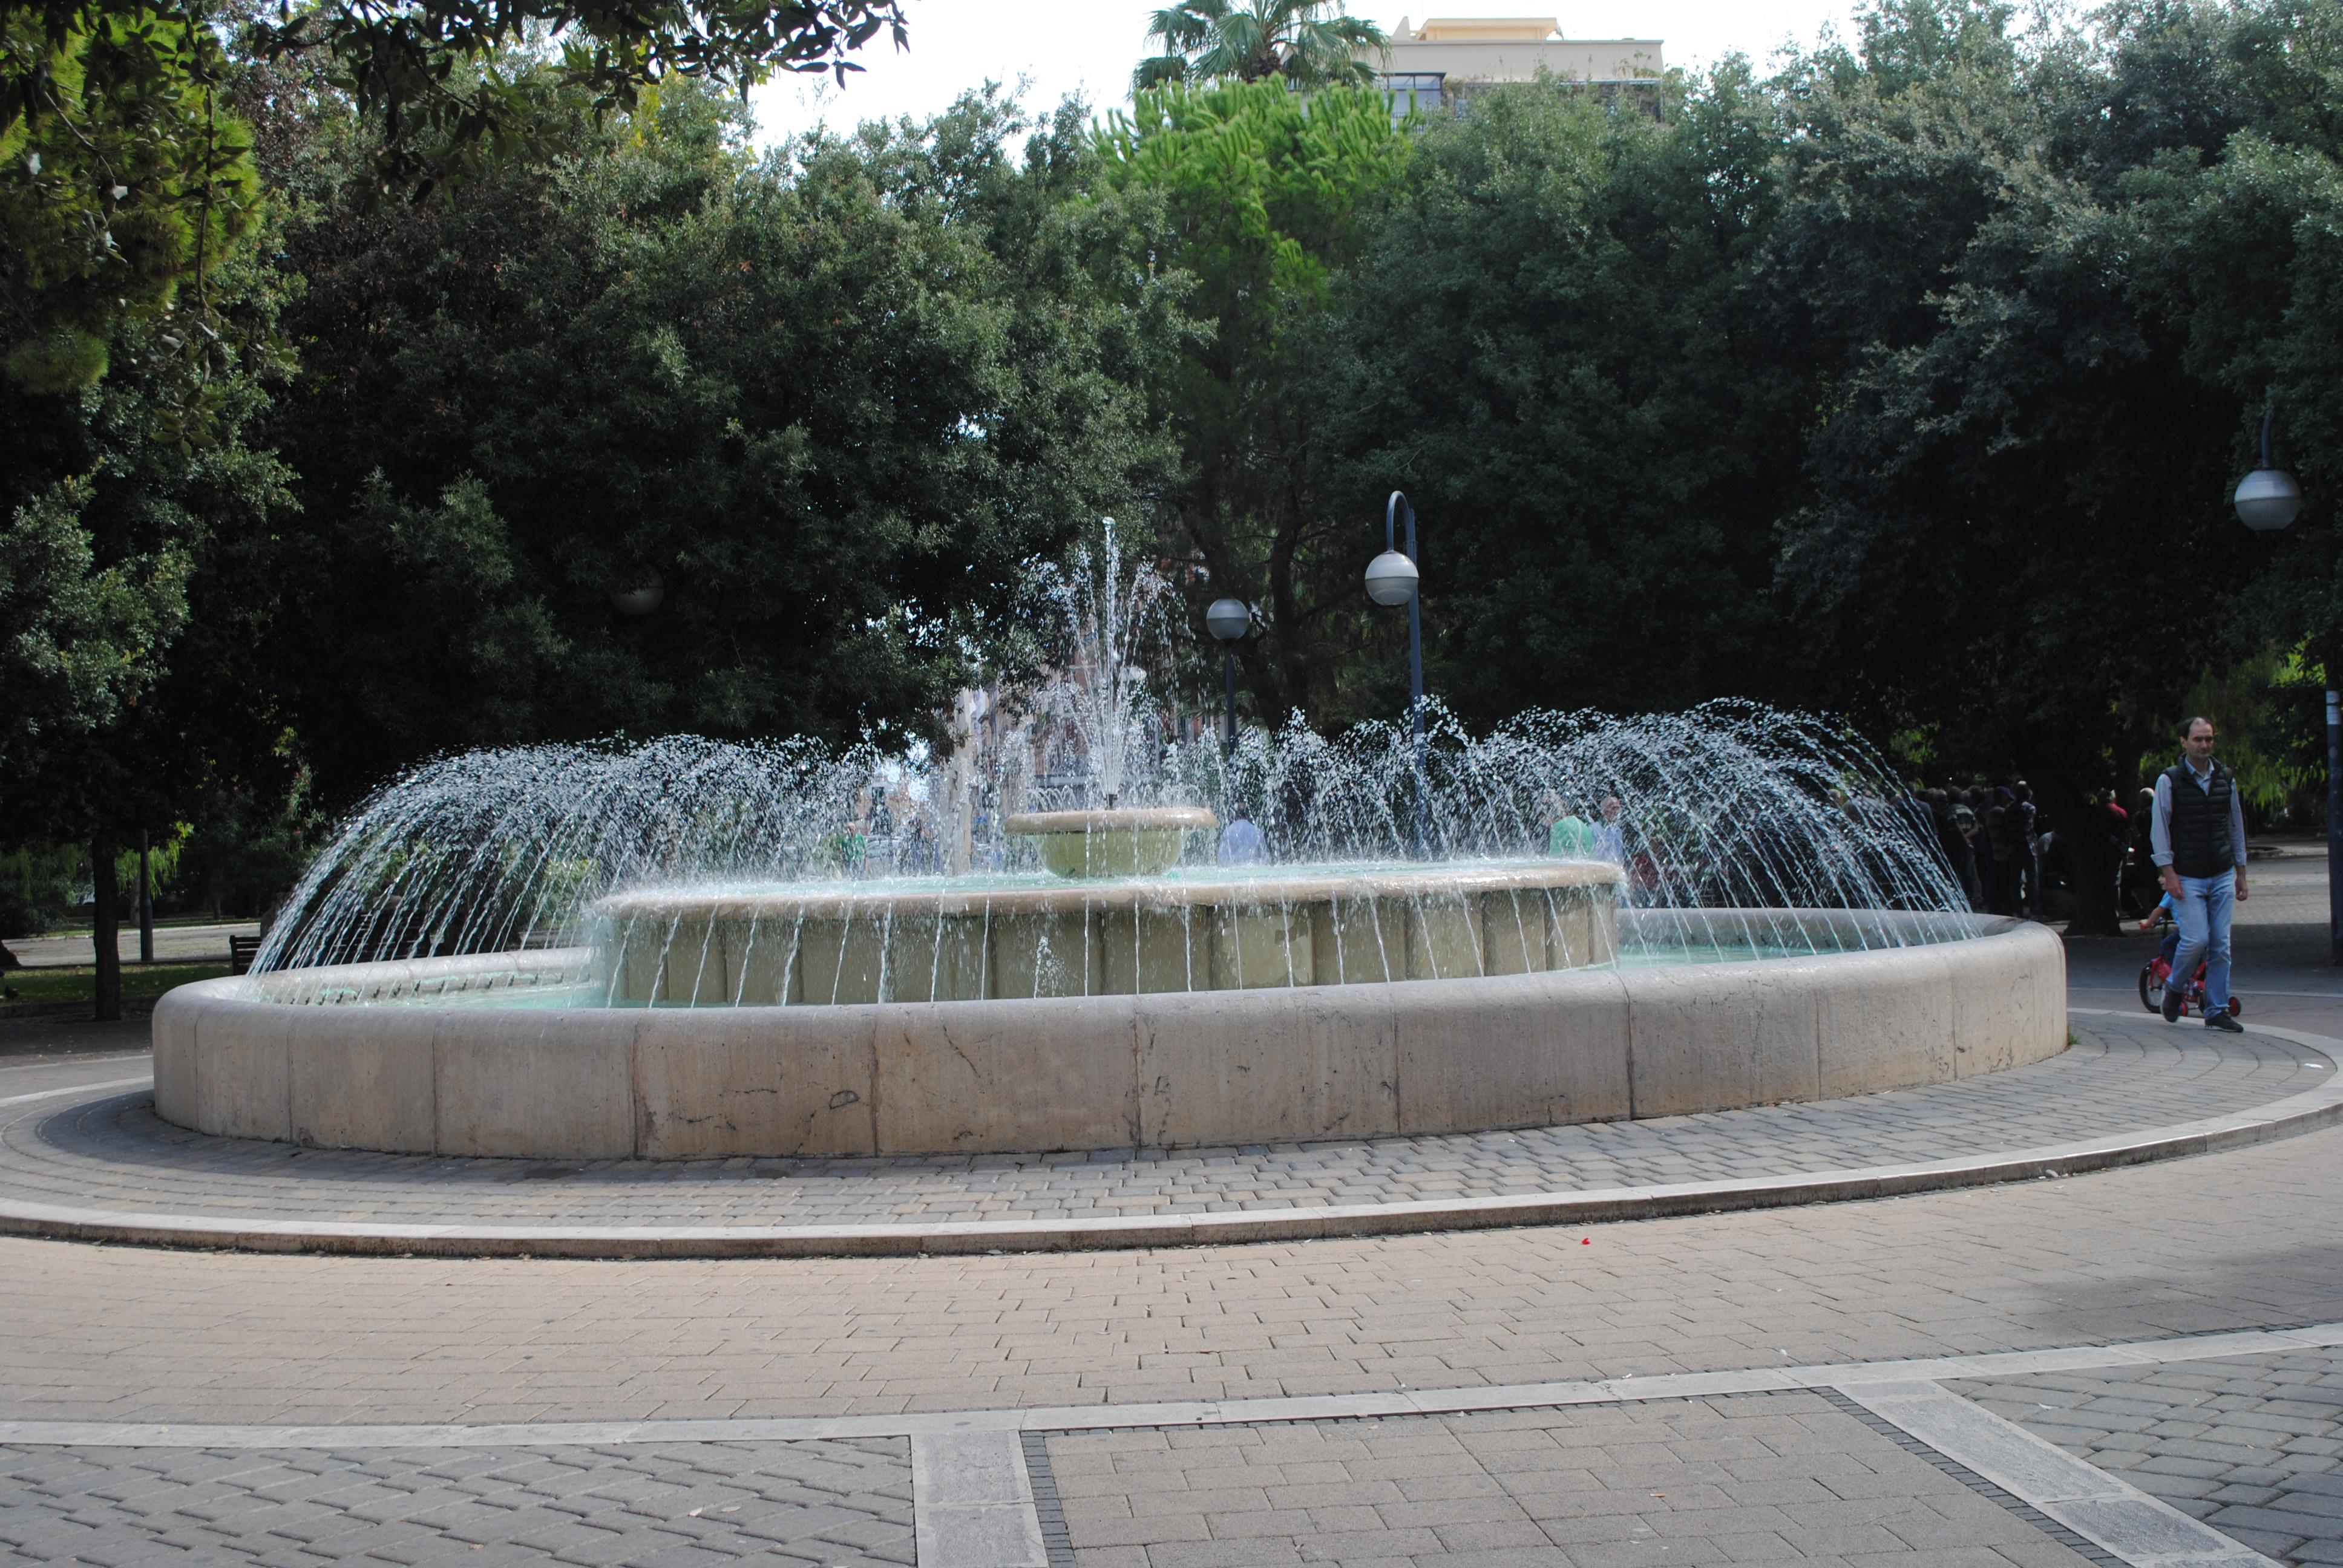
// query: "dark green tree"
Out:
[123,177]
[131,598]
[2016,540]
[1551,344]
[830,401]
[1266,196]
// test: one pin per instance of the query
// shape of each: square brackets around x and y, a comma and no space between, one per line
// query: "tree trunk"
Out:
[2095,858]
[105,929]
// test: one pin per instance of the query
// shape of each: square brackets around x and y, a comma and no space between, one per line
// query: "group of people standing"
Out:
[1992,836]
[1569,836]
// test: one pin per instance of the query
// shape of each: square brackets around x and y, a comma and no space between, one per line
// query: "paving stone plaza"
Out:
[2089,1310]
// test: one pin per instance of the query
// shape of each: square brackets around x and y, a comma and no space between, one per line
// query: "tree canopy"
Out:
[828,401]
[1296,42]
[1907,380]
[1268,197]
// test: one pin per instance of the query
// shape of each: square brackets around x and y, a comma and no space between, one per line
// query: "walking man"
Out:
[2198,840]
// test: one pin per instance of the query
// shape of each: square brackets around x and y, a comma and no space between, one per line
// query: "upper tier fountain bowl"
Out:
[1139,841]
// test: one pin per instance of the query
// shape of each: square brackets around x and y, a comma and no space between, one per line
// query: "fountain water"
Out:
[692,947]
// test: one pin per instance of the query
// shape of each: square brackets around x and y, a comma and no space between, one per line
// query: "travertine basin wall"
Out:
[883,942]
[1159,1070]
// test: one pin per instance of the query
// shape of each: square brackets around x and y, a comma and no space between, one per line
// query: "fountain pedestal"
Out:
[1203,931]
[1139,841]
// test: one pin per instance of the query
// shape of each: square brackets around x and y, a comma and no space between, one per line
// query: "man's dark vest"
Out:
[2200,822]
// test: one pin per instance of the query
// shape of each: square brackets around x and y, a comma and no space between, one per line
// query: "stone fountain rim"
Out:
[1114,819]
[1010,1075]
[1158,891]
[1929,932]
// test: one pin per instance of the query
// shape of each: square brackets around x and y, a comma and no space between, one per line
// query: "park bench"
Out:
[241,950]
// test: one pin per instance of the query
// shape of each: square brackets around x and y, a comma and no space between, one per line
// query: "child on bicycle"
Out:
[2170,947]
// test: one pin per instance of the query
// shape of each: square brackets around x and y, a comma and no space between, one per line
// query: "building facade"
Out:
[1437,67]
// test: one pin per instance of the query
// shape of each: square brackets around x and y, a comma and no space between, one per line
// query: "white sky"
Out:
[1060,47]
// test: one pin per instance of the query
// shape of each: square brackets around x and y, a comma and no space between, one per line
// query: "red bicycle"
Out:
[2156,974]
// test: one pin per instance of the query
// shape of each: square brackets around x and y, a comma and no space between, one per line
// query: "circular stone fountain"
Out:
[691,949]
[1170,1011]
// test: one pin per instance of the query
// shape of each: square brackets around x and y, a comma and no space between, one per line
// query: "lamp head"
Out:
[1228,620]
[1391,579]
[2267,499]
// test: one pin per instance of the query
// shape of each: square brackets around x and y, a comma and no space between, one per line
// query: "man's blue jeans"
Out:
[2203,915]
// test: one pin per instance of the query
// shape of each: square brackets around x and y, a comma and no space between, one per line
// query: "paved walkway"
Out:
[1705,1389]
[2251,1445]
[172,944]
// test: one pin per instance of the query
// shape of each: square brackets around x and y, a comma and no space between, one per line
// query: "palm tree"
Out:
[1206,40]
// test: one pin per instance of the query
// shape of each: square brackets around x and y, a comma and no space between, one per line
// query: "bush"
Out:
[39,886]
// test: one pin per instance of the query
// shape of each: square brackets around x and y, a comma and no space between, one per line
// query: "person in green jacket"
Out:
[1568,835]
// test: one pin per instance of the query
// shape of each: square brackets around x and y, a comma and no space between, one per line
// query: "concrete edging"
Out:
[1156,1070]
[2306,1112]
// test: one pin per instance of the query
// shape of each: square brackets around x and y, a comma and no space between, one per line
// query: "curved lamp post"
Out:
[1228,620]
[2269,499]
[1393,580]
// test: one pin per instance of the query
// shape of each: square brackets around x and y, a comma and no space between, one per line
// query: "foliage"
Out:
[122,177]
[1290,41]
[2273,724]
[1551,344]
[127,611]
[1267,196]
[2017,521]
[38,886]
[832,398]
[247,842]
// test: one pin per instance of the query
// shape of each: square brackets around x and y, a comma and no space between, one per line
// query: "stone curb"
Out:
[2296,1114]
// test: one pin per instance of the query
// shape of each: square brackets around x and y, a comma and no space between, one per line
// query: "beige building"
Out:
[1436,67]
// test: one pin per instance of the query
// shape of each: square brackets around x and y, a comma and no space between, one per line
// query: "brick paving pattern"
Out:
[1769,1477]
[112,1153]
[2242,1240]
[2253,1447]
[684,1506]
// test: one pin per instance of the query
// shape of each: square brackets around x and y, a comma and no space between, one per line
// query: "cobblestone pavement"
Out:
[1777,1478]
[2253,1446]
[688,1506]
[2245,1239]
[112,1153]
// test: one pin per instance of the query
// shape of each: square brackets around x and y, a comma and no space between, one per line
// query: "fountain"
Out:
[695,948]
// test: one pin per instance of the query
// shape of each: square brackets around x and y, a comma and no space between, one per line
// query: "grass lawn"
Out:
[79,983]
[162,922]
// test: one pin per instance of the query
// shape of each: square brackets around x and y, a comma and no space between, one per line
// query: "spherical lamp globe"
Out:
[2267,499]
[1390,578]
[1228,620]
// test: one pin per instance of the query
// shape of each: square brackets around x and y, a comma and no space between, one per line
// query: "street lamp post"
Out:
[1228,620]
[146,900]
[1394,579]
[2267,499]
